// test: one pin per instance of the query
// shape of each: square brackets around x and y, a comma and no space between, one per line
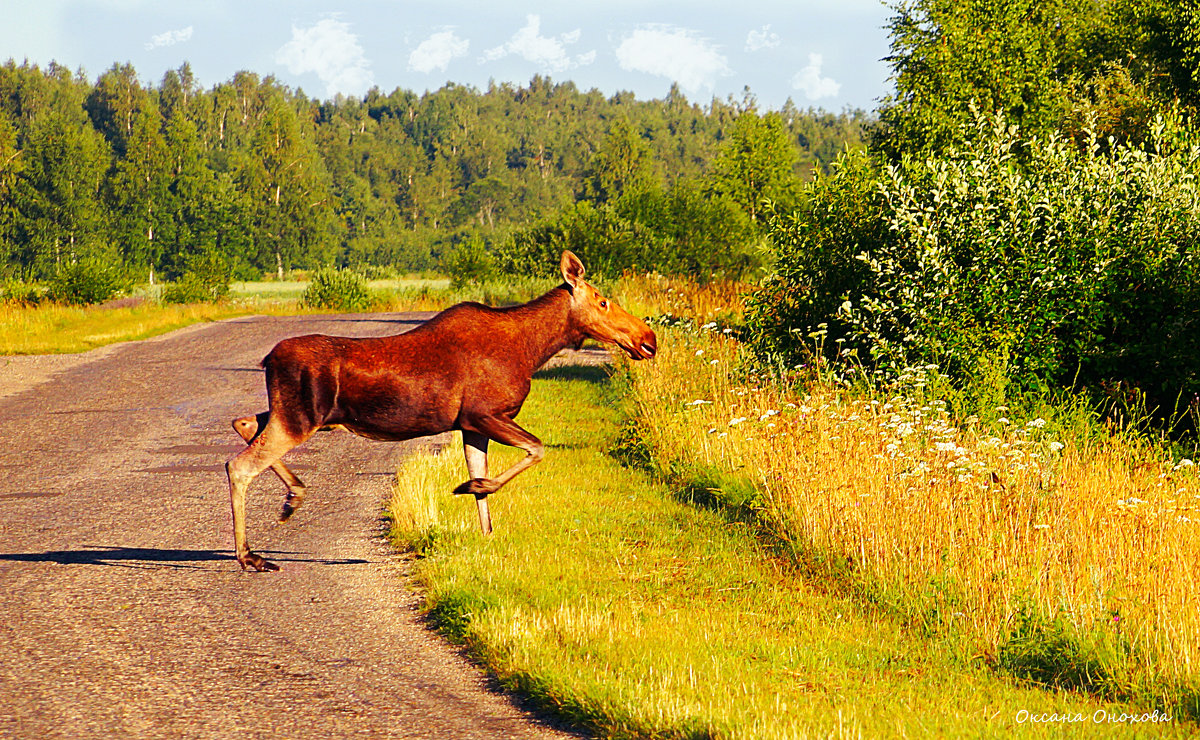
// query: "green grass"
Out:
[607,599]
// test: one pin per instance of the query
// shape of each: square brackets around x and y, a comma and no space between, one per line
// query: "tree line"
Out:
[259,177]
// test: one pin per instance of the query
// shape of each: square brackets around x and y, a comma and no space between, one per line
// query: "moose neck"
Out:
[550,326]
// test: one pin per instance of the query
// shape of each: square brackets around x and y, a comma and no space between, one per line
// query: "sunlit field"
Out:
[1053,554]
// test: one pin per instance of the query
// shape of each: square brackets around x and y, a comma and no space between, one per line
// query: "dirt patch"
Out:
[21,372]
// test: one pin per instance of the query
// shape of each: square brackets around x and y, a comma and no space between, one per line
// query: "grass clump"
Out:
[622,607]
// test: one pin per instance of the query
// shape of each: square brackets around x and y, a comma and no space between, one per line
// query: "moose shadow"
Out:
[150,557]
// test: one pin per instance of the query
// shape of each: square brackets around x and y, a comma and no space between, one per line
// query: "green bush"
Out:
[86,282]
[339,289]
[469,263]
[21,293]
[206,280]
[1063,263]
[814,259]
[695,232]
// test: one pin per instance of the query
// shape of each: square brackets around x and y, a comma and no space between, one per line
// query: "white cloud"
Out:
[331,51]
[169,38]
[810,81]
[546,52]
[437,51]
[678,54]
[763,38]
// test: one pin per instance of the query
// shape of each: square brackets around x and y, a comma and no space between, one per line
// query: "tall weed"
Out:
[1064,557]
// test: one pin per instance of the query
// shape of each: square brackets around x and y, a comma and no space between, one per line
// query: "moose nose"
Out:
[649,346]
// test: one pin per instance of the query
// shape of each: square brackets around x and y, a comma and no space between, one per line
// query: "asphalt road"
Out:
[122,611]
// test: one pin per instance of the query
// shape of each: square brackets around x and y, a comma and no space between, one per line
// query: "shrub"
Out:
[469,263]
[1061,262]
[696,233]
[606,242]
[339,289]
[206,280]
[814,266]
[86,282]
[20,293]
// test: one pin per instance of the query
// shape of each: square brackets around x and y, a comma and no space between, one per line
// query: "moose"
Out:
[469,368]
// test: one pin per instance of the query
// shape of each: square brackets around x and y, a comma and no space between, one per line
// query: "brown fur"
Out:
[469,369]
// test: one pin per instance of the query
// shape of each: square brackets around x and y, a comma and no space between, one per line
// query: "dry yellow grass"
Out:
[983,531]
[53,329]
[650,294]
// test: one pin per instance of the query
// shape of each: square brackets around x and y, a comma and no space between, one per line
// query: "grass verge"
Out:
[611,601]
[1059,555]
[56,329]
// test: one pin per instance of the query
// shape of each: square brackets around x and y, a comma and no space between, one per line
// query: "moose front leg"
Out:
[475,447]
[504,431]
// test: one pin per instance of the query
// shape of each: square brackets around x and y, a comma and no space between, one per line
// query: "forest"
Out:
[150,180]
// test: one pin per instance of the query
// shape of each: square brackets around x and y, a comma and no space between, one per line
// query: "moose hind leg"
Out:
[267,447]
[249,427]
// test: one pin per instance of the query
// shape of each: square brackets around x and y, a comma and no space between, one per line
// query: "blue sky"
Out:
[821,53]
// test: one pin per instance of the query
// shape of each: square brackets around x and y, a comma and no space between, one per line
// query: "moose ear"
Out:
[572,268]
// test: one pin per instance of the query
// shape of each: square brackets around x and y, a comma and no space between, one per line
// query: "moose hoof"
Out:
[294,498]
[476,486]
[257,563]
